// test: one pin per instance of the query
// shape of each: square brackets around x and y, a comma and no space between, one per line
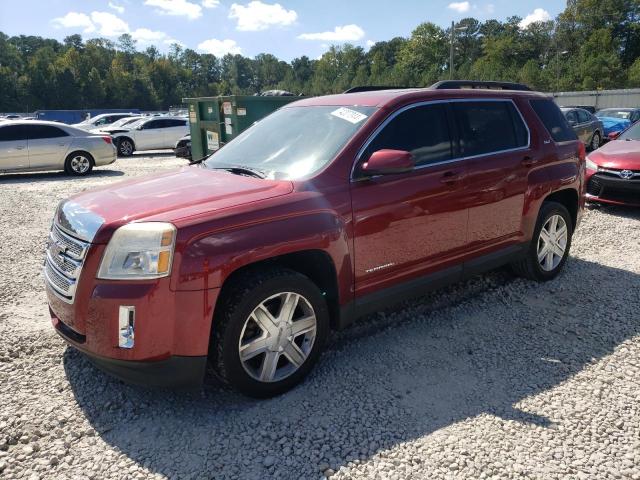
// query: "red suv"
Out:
[330,208]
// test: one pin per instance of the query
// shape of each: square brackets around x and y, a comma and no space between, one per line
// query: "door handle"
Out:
[451,177]
[528,161]
[20,147]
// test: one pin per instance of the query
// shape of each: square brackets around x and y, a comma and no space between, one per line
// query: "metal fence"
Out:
[600,98]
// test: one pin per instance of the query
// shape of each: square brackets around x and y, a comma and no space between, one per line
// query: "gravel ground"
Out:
[493,378]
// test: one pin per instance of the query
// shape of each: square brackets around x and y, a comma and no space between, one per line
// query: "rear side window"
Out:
[13,133]
[45,131]
[553,120]
[176,123]
[486,127]
[423,131]
[154,124]
[583,116]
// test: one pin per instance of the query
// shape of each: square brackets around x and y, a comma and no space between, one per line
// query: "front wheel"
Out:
[269,331]
[550,246]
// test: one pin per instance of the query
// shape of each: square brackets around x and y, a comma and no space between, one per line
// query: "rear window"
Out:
[553,120]
[487,127]
[37,132]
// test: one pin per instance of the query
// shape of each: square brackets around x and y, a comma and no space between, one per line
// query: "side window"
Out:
[572,117]
[176,123]
[153,124]
[553,120]
[37,132]
[13,133]
[423,131]
[102,121]
[635,116]
[486,127]
[583,116]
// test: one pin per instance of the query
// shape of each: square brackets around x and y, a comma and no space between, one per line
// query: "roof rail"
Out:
[476,84]
[371,88]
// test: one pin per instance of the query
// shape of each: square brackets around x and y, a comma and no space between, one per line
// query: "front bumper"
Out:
[606,188]
[171,372]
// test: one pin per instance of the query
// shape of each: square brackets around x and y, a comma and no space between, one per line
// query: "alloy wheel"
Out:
[552,242]
[126,148]
[277,337]
[595,141]
[80,164]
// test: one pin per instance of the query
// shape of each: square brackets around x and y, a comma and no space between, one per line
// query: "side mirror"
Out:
[614,135]
[388,162]
[139,127]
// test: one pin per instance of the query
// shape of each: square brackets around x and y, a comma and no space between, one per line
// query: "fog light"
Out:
[126,320]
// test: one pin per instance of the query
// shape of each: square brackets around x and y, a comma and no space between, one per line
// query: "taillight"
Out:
[582,151]
[108,140]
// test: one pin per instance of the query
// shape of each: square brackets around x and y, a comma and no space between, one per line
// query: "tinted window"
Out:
[176,123]
[486,127]
[583,116]
[423,131]
[12,133]
[635,116]
[572,117]
[154,124]
[45,131]
[553,120]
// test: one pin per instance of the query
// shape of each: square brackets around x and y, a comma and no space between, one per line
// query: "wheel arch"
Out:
[569,198]
[125,137]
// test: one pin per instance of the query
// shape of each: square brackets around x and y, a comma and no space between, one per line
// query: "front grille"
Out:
[64,258]
[610,186]
[594,187]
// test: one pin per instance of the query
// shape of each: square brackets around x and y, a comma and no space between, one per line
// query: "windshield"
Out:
[631,133]
[124,121]
[624,114]
[293,142]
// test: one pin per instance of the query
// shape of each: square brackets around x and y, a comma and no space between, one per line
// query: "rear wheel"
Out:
[125,147]
[550,246]
[269,332]
[596,140]
[78,163]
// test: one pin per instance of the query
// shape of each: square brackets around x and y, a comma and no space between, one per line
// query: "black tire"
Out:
[240,299]
[529,266]
[596,141]
[126,147]
[78,164]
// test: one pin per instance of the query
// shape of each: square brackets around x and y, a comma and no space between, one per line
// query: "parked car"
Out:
[589,108]
[327,209]
[588,127]
[183,147]
[615,120]
[37,145]
[101,120]
[117,124]
[613,172]
[11,116]
[151,133]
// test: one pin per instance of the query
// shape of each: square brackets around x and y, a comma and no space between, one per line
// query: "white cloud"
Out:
[74,20]
[538,15]
[108,24]
[339,34]
[490,8]
[144,35]
[260,16]
[220,48]
[210,3]
[370,43]
[117,8]
[177,8]
[460,7]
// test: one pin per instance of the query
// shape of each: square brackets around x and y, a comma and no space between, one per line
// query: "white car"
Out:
[117,124]
[150,133]
[101,120]
[37,145]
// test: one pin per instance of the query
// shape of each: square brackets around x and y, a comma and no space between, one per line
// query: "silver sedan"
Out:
[37,145]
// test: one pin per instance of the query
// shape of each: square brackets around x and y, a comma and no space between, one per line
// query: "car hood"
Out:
[170,196]
[618,154]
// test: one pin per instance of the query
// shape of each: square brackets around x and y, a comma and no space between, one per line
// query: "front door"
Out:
[407,225]
[14,154]
[151,135]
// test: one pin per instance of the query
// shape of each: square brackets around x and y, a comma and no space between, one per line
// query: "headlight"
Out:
[591,165]
[139,251]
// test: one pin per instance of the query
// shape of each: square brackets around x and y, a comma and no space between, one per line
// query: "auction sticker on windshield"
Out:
[349,115]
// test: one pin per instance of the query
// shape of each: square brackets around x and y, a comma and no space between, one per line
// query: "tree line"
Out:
[592,44]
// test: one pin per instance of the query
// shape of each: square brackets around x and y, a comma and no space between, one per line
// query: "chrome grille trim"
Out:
[63,263]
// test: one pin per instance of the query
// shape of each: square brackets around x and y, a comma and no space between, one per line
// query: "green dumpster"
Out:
[215,121]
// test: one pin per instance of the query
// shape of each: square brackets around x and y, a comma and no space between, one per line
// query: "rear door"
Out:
[14,153]
[587,126]
[48,146]
[175,130]
[494,139]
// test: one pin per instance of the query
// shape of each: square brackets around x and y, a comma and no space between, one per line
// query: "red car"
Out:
[330,208]
[613,171]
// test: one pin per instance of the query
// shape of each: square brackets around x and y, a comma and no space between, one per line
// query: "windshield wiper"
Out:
[242,170]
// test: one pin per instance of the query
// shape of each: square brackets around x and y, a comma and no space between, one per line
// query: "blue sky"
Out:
[286,28]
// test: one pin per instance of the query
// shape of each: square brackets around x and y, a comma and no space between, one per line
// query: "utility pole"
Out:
[451,51]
